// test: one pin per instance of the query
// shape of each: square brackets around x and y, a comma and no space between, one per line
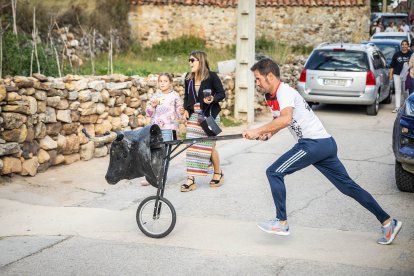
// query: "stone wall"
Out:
[307,26]
[41,118]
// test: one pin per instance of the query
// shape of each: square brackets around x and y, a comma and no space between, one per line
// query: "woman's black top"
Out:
[398,61]
[191,97]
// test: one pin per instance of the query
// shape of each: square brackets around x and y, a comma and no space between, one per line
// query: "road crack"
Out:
[94,192]
[37,252]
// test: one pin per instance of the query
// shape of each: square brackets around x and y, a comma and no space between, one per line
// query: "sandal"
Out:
[217,183]
[189,187]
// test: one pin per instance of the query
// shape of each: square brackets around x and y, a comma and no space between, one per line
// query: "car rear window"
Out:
[396,19]
[338,60]
[388,50]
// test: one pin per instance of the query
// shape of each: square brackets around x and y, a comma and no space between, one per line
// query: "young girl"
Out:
[165,109]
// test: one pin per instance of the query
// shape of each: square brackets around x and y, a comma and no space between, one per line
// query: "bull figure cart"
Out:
[141,153]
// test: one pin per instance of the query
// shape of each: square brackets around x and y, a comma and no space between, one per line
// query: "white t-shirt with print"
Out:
[305,124]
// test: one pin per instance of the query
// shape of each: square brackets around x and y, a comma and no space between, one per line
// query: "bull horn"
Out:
[105,139]
[108,137]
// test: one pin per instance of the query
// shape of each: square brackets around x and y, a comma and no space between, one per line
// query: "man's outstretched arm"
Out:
[284,120]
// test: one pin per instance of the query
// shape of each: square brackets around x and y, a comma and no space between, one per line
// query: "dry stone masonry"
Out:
[41,117]
[293,25]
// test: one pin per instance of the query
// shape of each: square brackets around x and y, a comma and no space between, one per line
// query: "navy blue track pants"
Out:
[322,153]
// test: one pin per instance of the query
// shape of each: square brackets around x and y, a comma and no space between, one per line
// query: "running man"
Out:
[315,146]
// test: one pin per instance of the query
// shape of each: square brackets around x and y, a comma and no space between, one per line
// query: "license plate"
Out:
[336,82]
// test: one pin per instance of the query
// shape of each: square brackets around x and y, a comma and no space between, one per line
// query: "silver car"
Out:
[354,74]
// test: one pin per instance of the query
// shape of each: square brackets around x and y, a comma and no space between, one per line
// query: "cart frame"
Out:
[161,181]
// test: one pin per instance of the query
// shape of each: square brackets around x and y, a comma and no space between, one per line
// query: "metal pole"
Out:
[245,58]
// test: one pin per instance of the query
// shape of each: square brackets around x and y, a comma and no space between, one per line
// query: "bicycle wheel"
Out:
[156,221]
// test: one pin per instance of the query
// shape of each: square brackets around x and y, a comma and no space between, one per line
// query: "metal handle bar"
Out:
[203,139]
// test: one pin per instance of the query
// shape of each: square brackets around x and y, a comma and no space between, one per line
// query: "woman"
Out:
[198,82]
[398,60]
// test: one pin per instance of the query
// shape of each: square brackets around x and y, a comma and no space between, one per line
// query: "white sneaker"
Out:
[395,110]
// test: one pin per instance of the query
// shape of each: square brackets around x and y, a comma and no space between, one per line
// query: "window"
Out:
[344,60]
[388,50]
[377,60]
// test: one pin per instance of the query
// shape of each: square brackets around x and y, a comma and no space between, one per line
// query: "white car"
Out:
[392,35]
[342,73]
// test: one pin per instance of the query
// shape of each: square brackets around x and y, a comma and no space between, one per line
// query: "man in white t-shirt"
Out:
[404,27]
[315,146]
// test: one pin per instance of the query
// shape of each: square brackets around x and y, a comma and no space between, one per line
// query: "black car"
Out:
[403,146]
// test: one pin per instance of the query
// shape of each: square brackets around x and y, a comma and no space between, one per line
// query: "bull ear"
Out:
[119,137]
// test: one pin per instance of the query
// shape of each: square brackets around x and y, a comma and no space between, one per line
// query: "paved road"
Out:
[68,221]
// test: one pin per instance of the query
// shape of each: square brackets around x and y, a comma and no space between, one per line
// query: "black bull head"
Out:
[135,154]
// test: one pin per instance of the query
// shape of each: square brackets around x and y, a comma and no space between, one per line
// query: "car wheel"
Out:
[373,108]
[403,179]
[388,99]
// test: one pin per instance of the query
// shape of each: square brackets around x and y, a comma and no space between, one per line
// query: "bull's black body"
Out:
[136,154]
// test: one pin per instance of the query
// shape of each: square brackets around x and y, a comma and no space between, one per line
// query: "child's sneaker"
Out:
[274,227]
[390,232]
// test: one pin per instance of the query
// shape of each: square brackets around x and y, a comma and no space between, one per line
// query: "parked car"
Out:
[403,146]
[388,47]
[387,17]
[392,35]
[354,74]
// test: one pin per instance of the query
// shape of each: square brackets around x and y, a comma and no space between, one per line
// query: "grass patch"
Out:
[172,56]
[279,51]
[166,56]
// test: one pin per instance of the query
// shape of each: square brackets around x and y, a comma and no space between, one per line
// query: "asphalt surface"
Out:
[69,221]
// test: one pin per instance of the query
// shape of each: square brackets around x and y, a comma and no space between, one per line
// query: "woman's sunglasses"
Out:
[192,60]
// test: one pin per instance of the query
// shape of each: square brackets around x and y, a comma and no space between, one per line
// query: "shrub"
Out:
[179,46]
[17,52]
[262,44]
